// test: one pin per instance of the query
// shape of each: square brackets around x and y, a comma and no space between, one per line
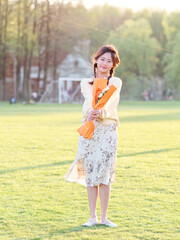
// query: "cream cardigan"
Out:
[109,111]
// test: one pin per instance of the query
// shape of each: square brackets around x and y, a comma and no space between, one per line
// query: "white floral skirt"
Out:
[96,158]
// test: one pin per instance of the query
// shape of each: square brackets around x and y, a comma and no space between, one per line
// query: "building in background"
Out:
[70,65]
[74,67]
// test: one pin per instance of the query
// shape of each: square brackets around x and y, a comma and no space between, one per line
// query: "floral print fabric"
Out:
[96,158]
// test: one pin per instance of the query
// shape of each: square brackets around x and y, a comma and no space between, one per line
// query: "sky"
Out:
[136,5]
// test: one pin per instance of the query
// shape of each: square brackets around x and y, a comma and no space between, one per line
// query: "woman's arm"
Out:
[86,92]
[113,102]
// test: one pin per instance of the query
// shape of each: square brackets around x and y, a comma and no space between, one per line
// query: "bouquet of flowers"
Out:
[101,94]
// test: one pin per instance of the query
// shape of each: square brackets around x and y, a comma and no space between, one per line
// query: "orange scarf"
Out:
[87,129]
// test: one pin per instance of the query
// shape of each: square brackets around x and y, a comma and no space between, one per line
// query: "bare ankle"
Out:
[103,218]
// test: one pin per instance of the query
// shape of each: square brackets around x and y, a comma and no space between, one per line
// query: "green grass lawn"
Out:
[38,143]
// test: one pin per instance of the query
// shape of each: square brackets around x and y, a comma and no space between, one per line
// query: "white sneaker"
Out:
[109,223]
[91,222]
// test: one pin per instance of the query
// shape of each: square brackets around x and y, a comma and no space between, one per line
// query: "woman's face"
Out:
[104,63]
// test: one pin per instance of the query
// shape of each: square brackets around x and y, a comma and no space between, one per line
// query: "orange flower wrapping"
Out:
[87,129]
[98,86]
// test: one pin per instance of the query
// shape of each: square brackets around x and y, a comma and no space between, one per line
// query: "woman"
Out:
[95,160]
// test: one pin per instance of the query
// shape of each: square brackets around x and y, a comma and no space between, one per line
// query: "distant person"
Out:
[170,94]
[150,94]
[70,93]
[164,95]
[145,95]
[12,100]
[34,95]
[94,165]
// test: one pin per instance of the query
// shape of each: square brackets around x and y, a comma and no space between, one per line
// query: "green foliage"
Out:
[103,20]
[131,88]
[138,52]
[137,49]
[172,69]
[144,38]
[155,21]
[171,24]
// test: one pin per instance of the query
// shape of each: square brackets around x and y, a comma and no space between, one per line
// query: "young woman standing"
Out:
[95,161]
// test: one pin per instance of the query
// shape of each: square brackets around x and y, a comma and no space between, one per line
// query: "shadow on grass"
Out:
[35,167]
[70,161]
[65,231]
[148,152]
[153,117]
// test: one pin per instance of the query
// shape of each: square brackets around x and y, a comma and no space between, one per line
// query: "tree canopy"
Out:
[148,41]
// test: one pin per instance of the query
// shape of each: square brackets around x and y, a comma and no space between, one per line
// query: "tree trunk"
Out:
[4,49]
[56,39]
[31,49]
[18,52]
[1,23]
[40,47]
[47,45]
[26,53]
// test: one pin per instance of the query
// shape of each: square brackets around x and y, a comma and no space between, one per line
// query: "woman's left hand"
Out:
[93,114]
[96,113]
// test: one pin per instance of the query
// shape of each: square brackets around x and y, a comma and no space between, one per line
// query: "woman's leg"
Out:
[92,196]
[104,193]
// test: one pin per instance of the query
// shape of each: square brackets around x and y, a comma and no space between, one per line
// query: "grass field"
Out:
[38,143]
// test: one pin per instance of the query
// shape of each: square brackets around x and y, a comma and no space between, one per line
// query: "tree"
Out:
[155,20]
[18,50]
[4,15]
[172,60]
[138,53]
[43,32]
[32,44]
[136,47]
[103,20]
[171,24]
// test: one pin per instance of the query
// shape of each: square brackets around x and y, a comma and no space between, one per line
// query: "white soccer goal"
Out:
[69,90]
[63,90]
[51,93]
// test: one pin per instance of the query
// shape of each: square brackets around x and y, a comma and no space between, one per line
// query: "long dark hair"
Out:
[114,55]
